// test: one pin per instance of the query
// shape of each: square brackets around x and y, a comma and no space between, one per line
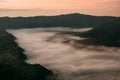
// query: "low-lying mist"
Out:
[68,62]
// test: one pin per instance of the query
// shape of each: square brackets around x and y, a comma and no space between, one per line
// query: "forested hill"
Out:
[12,64]
[107,34]
[68,20]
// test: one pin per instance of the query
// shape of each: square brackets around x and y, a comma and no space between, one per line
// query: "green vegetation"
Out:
[12,62]
[68,20]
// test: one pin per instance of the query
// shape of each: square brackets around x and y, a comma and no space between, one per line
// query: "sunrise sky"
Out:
[55,7]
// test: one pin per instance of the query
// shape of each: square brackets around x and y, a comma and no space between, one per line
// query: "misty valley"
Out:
[62,47]
[60,52]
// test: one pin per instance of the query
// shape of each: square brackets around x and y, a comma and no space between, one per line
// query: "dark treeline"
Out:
[12,62]
[68,20]
[107,34]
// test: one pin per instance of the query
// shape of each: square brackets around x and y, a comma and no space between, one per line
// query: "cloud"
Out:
[34,9]
[3,1]
[4,10]
[69,63]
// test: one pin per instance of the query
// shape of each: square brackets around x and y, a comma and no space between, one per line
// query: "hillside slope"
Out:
[106,34]
[12,62]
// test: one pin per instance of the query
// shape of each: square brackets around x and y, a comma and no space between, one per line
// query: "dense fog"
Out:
[66,61]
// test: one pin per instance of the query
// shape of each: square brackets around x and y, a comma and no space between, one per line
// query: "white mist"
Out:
[66,61]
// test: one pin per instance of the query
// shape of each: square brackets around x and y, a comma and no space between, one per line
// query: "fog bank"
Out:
[69,63]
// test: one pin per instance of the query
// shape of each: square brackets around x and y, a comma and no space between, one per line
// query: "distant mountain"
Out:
[106,34]
[68,20]
[12,62]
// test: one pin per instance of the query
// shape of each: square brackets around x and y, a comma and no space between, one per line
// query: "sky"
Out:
[55,7]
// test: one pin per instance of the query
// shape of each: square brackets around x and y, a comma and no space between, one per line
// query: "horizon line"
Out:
[60,15]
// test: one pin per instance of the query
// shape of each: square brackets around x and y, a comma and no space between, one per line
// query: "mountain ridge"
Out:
[74,20]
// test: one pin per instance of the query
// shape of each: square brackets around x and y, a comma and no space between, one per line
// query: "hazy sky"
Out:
[52,7]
